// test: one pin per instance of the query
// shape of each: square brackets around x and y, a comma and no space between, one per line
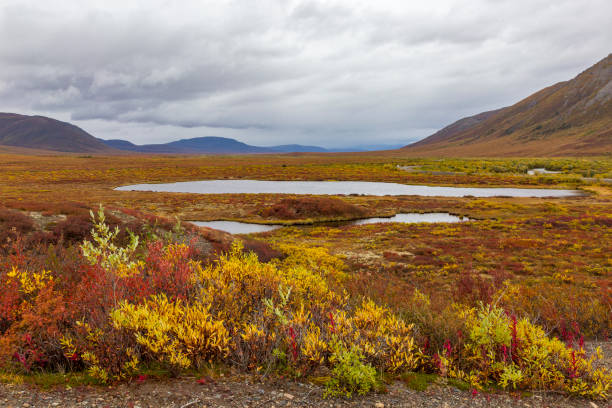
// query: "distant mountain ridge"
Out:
[223,145]
[48,134]
[207,145]
[40,132]
[569,118]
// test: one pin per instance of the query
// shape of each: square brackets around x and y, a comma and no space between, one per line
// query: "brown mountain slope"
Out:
[39,132]
[456,128]
[569,118]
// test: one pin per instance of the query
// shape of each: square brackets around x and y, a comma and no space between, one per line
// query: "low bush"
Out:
[114,310]
[174,333]
[313,207]
[502,350]
[349,373]
[556,308]
[13,224]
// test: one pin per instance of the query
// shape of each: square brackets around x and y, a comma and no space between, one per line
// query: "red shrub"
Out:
[168,270]
[472,288]
[77,228]
[12,224]
[264,252]
[313,207]
[10,299]
[74,229]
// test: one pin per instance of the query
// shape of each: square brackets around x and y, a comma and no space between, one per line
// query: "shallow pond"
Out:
[410,218]
[537,171]
[340,188]
[234,227]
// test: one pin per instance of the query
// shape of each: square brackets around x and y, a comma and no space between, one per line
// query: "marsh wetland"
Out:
[542,255]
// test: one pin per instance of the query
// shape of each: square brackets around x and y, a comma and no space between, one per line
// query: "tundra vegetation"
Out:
[506,301]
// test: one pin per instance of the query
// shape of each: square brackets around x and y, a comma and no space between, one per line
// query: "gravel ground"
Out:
[189,392]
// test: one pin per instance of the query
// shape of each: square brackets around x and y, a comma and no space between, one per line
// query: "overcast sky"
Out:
[328,73]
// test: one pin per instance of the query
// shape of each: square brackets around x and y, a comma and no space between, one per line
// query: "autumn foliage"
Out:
[114,309]
[313,208]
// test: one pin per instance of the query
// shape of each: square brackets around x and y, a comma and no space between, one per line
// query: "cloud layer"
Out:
[332,73]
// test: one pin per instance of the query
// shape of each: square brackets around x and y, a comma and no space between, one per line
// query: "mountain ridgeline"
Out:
[40,132]
[47,134]
[566,119]
[207,145]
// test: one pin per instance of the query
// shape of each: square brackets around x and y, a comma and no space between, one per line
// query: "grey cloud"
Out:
[327,72]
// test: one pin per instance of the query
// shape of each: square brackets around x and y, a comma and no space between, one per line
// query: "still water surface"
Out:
[540,170]
[340,188]
[411,218]
[234,227]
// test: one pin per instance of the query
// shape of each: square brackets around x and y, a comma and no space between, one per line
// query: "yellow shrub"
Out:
[176,333]
[176,253]
[237,283]
[381,336]
[313,347]
[315,259]
[29,282]
[254,345]
[507,351]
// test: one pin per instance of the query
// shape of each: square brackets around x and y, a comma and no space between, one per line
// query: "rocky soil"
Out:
[246,391]
[189,392]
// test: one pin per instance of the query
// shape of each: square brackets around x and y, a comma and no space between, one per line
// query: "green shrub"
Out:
[350,374]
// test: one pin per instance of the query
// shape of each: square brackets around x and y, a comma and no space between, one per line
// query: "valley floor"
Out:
[546,259]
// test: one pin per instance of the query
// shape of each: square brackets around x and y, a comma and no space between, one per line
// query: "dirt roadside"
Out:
[189,393]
